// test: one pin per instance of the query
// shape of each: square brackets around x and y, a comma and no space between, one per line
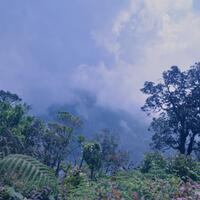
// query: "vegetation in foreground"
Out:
[157,178]
[52,161]
[135,186]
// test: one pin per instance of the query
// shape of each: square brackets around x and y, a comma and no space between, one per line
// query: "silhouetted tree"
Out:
[113,158]
[175,103]
[57,139]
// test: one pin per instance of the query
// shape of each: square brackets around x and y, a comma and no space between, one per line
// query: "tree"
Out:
[33,131]
[58,138]
[75,146]
[55,143]
[92,156]
[12,113]
[19,132]
[112,157]
[175,103]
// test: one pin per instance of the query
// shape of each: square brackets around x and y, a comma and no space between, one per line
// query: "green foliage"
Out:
[73,179]
[10,117]
[44,194]
[113,159]
[180,165]
[69,120]
[81,139]
[92,156]
[56,140]
[11,110]
[174,103]
[9,143]
[19,132]
[185,167]
[125,185]
[8,193]
[26,174]
[24,177]
[152,162]
[157,178]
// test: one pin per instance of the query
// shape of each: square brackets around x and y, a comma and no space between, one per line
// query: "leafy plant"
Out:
[92,156]
[185,167]
[113,158]
[9,193]
[26,174]
[153,161]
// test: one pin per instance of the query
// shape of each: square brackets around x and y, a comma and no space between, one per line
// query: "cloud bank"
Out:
[144,38]
[49,51]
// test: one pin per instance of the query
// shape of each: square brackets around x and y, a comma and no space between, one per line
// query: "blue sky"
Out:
[51,49]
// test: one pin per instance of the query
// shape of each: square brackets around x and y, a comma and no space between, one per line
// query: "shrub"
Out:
[184,167]
[153,161]
[9,193]
[73,179]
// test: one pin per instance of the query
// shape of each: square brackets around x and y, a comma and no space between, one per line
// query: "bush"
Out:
[153,161]
[184,167]
[73,179]
[9,193]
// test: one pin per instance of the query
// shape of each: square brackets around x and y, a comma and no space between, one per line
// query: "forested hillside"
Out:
[130,129]
[52,159]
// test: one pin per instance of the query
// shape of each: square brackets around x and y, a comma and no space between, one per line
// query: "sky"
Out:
[51,50]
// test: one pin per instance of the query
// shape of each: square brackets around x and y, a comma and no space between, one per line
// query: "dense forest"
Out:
[53,159]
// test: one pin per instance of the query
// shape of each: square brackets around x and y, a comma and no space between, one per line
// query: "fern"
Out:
[26,173]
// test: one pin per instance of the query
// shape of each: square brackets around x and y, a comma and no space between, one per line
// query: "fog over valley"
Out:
[92,58]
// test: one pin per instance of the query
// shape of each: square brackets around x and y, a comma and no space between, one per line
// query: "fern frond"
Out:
[30,173]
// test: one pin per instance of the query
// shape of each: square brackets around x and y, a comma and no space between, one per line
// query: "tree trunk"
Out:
[92,174]
[58,168]
[182,143]
[190,146]
[81,164]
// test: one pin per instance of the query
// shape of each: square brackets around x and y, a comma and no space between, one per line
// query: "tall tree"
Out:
[12,113]
[55,143]
[92,156]
[113,158]
[175,105]
[57,139]
[19,132]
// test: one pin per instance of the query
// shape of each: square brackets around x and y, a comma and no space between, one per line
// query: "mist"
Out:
[56,53]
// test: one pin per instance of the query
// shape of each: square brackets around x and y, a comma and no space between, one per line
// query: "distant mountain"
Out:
[131,129]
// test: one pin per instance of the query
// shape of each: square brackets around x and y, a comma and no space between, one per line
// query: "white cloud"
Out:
[112,86]
[145,38]
[124,17]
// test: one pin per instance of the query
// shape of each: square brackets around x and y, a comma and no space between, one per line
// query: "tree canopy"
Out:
[175,105]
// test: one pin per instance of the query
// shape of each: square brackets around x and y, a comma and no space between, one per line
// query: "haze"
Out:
[52,50]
